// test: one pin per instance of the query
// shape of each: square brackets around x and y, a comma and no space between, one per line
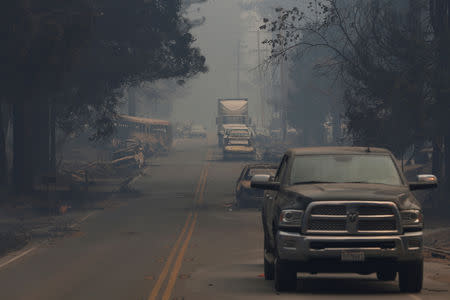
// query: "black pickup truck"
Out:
[342,209]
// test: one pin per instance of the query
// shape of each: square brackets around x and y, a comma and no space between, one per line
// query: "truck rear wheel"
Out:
[411,277]
[285,277]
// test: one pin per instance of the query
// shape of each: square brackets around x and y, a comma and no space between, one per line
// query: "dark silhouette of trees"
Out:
[40,39]
[392,59]
[313,99]
[439,12]
[65,62]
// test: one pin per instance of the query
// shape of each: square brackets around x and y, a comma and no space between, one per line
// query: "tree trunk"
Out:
[40,140]
[445,182]
[3,158]
[22,161]
[131,102]
[52,127]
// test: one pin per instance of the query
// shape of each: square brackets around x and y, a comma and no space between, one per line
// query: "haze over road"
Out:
[177,240]
[218,39]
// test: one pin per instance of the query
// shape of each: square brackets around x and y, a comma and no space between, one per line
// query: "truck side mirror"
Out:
[424,181]
[263,181]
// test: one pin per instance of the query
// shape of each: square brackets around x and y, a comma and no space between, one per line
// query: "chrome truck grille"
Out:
[351,217]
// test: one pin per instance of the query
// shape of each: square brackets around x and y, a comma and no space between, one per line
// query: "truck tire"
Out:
[239,202]
[242,200]
[266,243]
[269,270]
[285,277]
[388,275]
[411,277]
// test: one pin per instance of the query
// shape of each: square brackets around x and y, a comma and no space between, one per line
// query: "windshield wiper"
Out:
[312,182]
[357,182]
[368,182]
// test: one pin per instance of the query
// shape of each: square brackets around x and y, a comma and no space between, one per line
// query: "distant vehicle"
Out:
[239,132]
[198,131]
[262,132]
[227,128]
[239,149]
[245,195]
[238,143]
[152,133]
[183,129]
[232,111]
[276,134]
[342,209]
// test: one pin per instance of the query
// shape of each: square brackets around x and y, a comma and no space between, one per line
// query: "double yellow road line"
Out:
[180,246]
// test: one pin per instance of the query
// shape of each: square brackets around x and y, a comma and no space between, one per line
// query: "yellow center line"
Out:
[179,261]
[200,182]
[176,268]
[165,270]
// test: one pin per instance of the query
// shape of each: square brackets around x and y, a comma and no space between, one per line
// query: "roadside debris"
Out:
[438,253]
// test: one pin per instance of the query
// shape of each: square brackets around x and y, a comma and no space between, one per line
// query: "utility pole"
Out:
[261,81]
[261,77]
[284,95]
[238,68]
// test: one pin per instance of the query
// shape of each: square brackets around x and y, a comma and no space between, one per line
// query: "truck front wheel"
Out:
[268,270]
[285,277]
[268,266]
[411,277]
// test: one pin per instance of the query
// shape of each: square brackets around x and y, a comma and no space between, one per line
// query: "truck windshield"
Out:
[242,142]
[239,133]
[378,169]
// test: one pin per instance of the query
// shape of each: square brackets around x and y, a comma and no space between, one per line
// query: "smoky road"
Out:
[178,239]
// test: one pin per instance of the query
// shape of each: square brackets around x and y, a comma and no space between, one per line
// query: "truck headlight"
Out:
[291,218]
[412,218]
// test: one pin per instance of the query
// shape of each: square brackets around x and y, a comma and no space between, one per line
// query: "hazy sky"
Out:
[218,39]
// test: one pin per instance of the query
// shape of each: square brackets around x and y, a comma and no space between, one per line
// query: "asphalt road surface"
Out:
[178,240]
